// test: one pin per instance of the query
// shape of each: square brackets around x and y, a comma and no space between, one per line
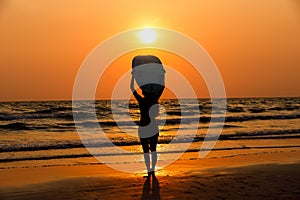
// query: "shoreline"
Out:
[265,175]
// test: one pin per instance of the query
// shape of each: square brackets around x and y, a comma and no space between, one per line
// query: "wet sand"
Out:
[273,175]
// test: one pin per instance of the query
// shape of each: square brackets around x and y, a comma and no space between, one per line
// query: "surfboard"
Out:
[149,73]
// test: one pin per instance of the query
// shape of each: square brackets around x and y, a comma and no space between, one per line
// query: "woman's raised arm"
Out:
[136,95]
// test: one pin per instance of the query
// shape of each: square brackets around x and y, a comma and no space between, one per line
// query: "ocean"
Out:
[43,133]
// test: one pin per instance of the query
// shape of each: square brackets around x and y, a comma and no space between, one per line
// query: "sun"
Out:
[147,35]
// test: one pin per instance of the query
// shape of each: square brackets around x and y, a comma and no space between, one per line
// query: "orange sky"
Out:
[254,43]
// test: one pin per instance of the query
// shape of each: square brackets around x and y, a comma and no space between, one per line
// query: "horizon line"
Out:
[107,99]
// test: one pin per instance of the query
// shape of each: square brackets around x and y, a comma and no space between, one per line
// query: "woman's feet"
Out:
[151,173]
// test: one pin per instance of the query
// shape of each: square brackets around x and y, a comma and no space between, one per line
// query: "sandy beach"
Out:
[255,176]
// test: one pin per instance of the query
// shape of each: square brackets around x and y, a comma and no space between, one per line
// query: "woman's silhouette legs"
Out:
[147,161]
[149,144]
[154,160]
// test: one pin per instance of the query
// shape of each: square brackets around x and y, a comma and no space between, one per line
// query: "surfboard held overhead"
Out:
[149,73]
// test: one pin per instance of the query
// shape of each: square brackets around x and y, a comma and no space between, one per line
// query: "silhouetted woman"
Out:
[148,104]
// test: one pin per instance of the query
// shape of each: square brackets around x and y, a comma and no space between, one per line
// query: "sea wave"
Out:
[163,139]
[67,125]
[86,155]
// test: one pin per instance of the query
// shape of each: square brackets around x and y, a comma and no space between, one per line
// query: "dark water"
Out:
[44,132]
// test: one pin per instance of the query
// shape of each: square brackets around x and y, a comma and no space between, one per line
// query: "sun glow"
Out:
[147,35]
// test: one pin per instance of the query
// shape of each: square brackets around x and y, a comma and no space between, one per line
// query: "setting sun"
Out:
[147,35]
